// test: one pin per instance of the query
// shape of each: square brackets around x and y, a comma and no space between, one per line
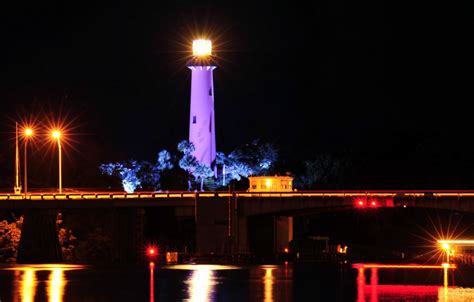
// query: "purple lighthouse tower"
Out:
[201,118]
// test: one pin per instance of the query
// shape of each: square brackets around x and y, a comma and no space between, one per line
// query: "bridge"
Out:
[225,222]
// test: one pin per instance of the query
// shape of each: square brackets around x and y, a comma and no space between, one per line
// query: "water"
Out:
[299,282]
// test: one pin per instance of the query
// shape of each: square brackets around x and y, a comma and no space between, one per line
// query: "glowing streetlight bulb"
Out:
[56,134]
[202,48]
[28,132]
[445,246]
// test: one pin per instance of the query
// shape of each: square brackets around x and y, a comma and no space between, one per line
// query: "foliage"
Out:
[10,234]
[137,174]
[255,158]
[189,163]
[67,241]
[128,173]
[324,169]
[96,247]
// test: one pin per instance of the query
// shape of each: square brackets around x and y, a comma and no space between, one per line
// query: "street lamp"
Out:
[27,133]
[56,134]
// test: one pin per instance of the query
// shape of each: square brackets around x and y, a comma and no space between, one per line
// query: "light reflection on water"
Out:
[386,292]
[25,281]
[201,281]
[197,283]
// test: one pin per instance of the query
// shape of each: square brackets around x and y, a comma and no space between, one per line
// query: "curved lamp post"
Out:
[56,134]
[27,134]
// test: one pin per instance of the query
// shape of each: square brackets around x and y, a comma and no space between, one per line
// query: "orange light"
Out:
[56,134]
[202,48]
[285,250]
[28,132]
[152,265]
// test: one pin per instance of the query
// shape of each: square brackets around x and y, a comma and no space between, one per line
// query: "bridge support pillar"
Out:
[212,226]
[127,234]
[269,235]
[39,241]
[283,232]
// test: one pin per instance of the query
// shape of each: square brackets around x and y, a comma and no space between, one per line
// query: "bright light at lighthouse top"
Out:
[202,48]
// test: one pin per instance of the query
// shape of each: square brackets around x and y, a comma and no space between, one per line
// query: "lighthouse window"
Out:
[194,119]
[210,91]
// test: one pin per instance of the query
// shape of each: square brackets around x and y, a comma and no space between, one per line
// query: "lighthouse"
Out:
[201,118]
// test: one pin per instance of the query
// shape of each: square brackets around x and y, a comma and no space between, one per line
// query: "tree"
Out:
[323,170]
[259,157]
[188,162]
[202,172]
[10,234]
[128,173]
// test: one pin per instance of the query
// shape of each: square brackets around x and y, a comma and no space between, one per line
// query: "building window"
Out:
[194,119]
[210,91]
[254,186]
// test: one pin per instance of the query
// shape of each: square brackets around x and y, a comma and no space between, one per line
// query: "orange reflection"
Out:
[152,282]
[201,284]
[374,282]
[361,285]
[402,266]
[56,285]
[28,285]
[27,282]
[268,281]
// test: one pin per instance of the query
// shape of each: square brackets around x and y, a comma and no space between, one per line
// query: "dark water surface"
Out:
[291,282]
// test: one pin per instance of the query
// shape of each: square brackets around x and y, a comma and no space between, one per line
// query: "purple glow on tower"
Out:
[201,119]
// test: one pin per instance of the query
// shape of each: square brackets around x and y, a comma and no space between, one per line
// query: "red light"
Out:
[373,203]
[286,250]
[361,203]
[152,252]
[152,265]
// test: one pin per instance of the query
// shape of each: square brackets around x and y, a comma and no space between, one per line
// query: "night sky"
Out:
[386,84]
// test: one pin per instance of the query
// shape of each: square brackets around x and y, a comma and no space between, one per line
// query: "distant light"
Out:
[268,183]
[152,265]
[361,203]
[202,47]
[151,251]
[285,250]
[56,134]
[404,205]
[445,246]
[373,203]
[28,132]
[446,265]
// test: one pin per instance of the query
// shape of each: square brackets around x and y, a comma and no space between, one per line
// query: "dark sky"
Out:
[386,83]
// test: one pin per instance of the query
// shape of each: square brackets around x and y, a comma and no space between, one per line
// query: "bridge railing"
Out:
[241,194]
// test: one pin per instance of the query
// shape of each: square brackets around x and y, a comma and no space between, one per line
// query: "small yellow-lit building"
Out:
[270,184]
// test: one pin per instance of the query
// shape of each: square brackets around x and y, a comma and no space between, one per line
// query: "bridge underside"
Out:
[224,223]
